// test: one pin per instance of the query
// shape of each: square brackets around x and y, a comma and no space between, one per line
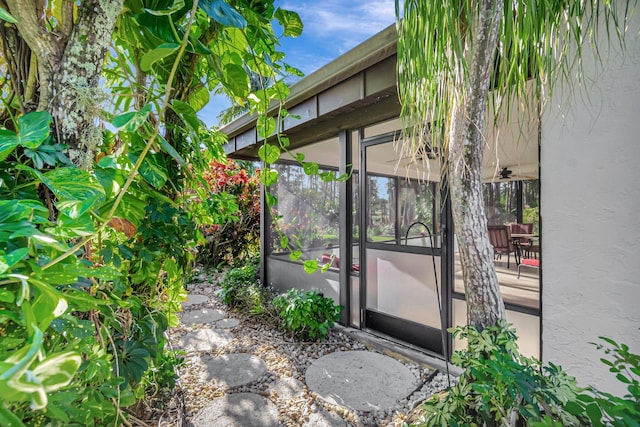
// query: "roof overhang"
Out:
[355,90]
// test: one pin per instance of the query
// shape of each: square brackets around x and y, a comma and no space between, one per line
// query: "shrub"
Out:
[602,408]
[241,289]
[501,387]
[306,315]
[236,236]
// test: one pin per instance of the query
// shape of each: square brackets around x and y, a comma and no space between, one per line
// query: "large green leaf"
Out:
[8,142]
[131,121]
[34,128]
[77,190]
[153,169]
[290,21]
[187,114]
[221,12]
[269,177]
[200,98]
[236,80]
[12,258]
[157,54]
[72,227]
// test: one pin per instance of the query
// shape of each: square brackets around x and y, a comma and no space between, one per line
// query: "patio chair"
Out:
[528,262]
[500,238]
[524,242]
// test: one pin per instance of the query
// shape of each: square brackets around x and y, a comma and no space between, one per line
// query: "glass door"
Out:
[400,251]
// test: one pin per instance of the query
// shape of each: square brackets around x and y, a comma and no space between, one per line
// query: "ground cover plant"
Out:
[501,387]
[98,225]
[306,315]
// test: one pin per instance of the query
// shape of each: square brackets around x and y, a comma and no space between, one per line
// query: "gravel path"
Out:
[285,362]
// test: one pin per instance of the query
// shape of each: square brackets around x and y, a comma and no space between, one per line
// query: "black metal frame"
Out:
[424,336]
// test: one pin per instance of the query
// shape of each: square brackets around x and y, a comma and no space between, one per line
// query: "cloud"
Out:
[345,24]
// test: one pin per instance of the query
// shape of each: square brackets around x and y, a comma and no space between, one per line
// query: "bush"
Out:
[242,289]
[501,387]
[307,315]
[599,408]
[235,237]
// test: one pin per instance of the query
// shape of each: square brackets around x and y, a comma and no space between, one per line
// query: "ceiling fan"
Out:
[507,174]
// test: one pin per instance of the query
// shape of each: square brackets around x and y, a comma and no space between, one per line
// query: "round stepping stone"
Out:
[238,410]
[360,380]
[205,340]
[286,388]
[324,418]
[194,300]
[233,370]
[205,315]
[228,323]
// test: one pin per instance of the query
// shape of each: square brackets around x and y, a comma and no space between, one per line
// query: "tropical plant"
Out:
[237,239]
[456,57]
[92,258]
[500,387]
[307,315]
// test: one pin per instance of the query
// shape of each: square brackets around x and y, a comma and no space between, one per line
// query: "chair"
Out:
[524,242]
[500,238]
[527,262]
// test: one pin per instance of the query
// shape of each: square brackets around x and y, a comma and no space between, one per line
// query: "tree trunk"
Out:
[484,301]
[70,61]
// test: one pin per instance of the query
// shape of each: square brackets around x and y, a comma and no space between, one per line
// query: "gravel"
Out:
[285,360]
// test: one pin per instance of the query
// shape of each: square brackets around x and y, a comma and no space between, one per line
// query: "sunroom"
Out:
[387,232]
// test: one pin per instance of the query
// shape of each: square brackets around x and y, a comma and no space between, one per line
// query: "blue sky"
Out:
[331,28]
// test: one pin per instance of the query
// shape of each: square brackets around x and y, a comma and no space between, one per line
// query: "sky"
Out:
[331,28]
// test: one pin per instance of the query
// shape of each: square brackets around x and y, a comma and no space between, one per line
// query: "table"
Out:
[516,240]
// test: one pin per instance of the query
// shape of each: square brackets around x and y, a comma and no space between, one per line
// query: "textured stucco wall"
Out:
[590,209]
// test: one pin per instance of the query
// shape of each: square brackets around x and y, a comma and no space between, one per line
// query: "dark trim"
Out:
[507,305]
[448,261]
[346,226]
[414,333]
[541,347]
[265,233]
[404,248]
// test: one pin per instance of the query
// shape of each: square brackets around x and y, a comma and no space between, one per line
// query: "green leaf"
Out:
[310,168]
[266,126]
[131,121]
[8,142]
[77,190]
[8,418]
[310,266]
[187,114]
[6,16]
[73,227]
[236,80]
[221,12]
[157,54]
[290,21]
[269,153]
[271,199]
[269,177]
[176,6]
[7,296]
[171,151]
[200,98]
[295,255]
[34,128]
[153,169]
[12,258]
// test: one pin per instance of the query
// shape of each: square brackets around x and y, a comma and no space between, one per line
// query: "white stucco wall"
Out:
[590,213]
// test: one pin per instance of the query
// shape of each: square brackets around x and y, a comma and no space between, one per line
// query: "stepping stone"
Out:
[228,323]
[286,388]
[205,340]
[238,410]
[324,418]
[360,380]
[233,370]
[195,299]
[204,315]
